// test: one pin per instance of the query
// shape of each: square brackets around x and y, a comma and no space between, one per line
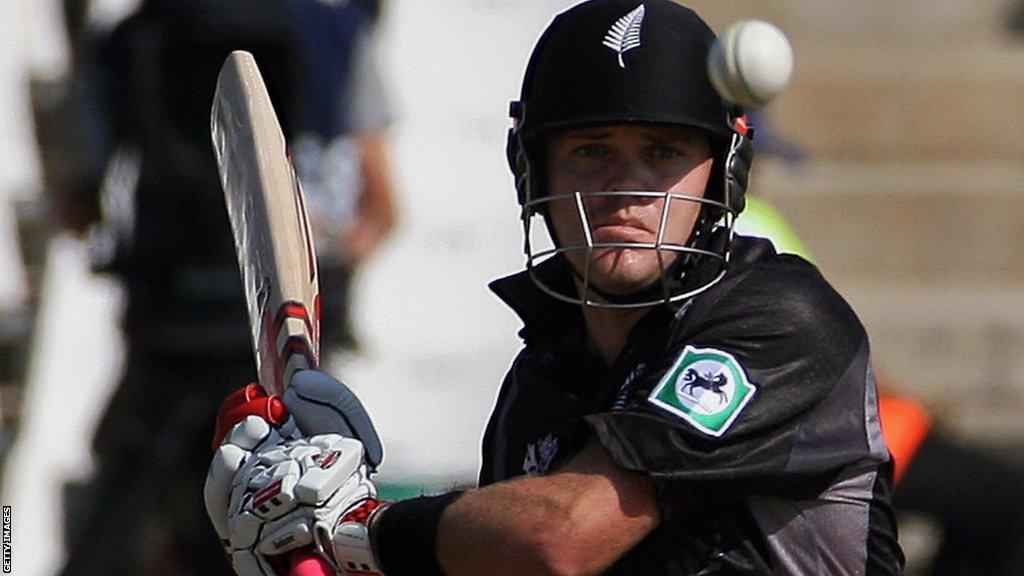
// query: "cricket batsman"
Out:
[686,402]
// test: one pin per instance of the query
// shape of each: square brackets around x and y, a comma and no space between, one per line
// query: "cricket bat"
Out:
[272,236]
[269,223]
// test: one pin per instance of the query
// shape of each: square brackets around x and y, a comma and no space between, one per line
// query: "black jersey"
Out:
[751,406]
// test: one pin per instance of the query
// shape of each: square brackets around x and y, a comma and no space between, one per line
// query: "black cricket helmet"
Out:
[630,61]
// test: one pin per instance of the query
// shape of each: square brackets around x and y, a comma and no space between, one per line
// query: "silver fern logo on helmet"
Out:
[624,35]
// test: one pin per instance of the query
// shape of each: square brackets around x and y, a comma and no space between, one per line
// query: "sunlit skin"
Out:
[626,157]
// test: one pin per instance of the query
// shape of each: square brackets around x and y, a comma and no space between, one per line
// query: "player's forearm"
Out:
[527,526]
[513,528]
[577,521]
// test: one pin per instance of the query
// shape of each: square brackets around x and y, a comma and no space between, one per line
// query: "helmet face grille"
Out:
[629,61]
[679,262]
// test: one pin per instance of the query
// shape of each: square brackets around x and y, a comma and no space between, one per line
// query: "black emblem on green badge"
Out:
[705,387]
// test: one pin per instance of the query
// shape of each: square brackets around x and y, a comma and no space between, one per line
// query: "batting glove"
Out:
[270,491]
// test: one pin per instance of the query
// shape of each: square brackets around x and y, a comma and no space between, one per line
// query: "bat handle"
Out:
[307,563]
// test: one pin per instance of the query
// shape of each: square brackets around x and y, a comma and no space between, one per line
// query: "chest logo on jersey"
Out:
[705,387]
[539,455]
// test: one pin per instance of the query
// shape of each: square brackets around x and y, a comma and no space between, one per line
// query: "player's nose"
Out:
[626,175]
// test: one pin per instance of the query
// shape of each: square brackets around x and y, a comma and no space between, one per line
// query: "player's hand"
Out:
[270,492]
[247,418]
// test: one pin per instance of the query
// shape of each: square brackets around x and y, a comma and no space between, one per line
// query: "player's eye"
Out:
[664,152]
[589,151]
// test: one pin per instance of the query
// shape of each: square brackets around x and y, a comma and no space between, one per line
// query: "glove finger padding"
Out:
[248,564]
[236,472]
[249,433]
[322,405]
[230,457]
[286,494]
[217,490]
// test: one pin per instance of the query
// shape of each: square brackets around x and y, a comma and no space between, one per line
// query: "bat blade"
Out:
[269,223]
[272,237]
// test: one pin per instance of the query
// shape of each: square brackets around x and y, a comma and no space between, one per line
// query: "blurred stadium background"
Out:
[905,182]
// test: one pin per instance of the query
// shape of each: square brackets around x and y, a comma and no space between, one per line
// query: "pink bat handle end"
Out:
[307,563]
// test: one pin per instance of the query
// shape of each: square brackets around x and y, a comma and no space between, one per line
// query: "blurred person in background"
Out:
[147,187]
[34,61]
[340,154]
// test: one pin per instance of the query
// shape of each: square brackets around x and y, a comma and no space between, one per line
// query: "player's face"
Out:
[626,157]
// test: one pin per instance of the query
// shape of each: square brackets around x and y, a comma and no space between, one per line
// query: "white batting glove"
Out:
[235,451]
[269,493]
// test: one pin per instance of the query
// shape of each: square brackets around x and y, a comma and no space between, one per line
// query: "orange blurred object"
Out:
[905,425]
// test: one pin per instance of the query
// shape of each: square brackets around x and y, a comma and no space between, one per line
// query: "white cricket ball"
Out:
[750,63]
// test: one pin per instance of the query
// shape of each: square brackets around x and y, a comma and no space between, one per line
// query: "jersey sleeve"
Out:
[766,389]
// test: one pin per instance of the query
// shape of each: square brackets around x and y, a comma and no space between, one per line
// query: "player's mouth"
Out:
[622,230]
